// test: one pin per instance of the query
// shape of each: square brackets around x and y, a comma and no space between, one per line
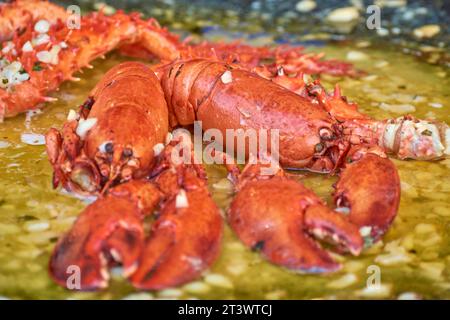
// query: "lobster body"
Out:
[143,106]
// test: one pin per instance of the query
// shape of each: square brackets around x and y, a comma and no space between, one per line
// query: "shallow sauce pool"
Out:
[413,258]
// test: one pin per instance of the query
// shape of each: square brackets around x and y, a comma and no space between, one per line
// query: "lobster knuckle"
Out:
[373,197]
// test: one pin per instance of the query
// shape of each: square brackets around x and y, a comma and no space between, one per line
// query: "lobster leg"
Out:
[110,229]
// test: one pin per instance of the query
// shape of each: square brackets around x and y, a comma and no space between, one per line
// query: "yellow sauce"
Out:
[413,258]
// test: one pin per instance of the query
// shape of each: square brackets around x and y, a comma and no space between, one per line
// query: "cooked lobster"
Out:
[106,153]
[186,233]
[226,86]
[272,213]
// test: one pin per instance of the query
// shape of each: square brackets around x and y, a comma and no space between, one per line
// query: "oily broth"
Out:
[413,258]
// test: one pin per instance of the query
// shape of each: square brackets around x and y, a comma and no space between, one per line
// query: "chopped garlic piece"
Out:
[37,226]
[398,108]
[218,280]
[356,56]
[343,15]
[343,282]
[42,26]
[138,296]
[11,74]
[40,39]
[169,137]
[181,201]
[305,6]
[197,287]
[435,105]
[227,77]
[8,47]
[72,115]
[84,126]
[49,56]
[44,56]
[158,148]
[27,47]
[33,139]
[409,296]
[365,231]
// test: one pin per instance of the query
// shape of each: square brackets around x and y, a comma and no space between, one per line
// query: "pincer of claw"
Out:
[186,236]
[279,216]
[110,230]
[111,139]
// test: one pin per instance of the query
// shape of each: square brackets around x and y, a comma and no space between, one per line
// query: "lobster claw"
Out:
[109,230]
[186,236]
[278,216]
[373,197]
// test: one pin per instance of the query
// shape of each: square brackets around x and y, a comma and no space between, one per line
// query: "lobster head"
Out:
[115,135]
[122,144]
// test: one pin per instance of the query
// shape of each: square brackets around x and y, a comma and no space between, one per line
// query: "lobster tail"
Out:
[225,97]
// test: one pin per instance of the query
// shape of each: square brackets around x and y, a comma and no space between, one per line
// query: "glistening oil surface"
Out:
[413,258]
